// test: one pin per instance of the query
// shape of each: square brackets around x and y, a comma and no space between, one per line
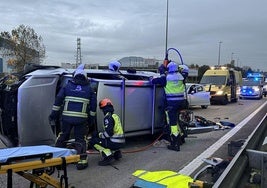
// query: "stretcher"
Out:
[37,164]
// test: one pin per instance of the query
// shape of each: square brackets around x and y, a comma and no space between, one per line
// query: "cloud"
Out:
[113,29]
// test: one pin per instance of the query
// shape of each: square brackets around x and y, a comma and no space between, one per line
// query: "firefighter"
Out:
[79,105]
[172,80]
[108,142]
[114,66]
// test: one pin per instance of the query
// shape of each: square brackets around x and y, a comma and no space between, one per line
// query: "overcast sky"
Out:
[112,29]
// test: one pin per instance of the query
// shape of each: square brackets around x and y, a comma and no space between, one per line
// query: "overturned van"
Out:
[24,121]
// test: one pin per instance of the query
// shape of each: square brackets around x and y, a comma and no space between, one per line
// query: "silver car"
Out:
[135,99]
[197,95]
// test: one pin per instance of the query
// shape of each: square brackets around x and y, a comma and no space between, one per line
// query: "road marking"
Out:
[198,161]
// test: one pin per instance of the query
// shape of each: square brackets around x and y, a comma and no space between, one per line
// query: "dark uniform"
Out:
[109,142]
[78,100]
[174,89]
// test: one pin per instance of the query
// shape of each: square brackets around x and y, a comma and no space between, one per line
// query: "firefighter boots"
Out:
[175,143]
[117,155]
[106,160]
[83,163]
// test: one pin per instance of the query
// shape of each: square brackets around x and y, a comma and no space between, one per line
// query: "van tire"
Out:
[225,101]
[234,100]
[204,106]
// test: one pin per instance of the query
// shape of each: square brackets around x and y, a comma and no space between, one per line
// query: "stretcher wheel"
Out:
[64,181]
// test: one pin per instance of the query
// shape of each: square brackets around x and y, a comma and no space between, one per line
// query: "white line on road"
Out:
[197,162]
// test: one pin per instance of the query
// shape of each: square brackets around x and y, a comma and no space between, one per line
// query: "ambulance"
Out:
[223,84]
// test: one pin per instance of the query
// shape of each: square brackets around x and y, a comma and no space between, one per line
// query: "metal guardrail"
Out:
[232,175]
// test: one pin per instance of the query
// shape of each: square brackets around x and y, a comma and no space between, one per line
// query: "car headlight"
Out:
[256,88]
[220,92]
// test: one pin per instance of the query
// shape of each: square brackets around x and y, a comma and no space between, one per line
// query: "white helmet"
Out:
[172,67]
[114,65]
[183,69]
[80,70]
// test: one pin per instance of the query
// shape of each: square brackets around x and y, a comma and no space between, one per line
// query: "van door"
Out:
[35,100]
[232,84]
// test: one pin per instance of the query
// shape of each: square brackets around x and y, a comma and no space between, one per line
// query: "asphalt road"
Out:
[141,154]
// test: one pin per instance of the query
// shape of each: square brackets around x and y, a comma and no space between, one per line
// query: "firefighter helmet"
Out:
[114,65]
[172,67]
[105,102]
[80,71]
[183,69]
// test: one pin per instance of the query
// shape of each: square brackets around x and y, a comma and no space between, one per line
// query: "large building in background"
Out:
[3,60]
[4,67]
[74,66]
[139,62]
[126,62]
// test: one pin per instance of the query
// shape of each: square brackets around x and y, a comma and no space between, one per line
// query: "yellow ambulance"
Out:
[223,84]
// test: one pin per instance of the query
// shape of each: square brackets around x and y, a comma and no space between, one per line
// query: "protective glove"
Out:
[101,135]
[52,117]
[162,69]
[151,79]
[92,121]
[52,121]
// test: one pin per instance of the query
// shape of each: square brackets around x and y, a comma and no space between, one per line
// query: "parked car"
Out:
[197,95]
[251,90]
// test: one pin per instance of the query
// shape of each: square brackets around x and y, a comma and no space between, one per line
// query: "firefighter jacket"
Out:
[113,128]
[77,101]
[161,179]
[173,86]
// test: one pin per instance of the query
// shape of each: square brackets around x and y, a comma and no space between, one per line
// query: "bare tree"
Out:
[22,46]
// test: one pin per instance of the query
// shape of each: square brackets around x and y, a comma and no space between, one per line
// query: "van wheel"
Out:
[234,100]
[204,106]
[225,101]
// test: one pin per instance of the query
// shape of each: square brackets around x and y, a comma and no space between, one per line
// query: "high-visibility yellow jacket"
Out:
[161,179]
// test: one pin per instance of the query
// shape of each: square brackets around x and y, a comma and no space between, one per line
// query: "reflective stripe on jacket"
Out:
[77,101]
[114,131]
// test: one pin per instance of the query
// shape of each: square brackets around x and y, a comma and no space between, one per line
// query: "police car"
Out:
[251,89]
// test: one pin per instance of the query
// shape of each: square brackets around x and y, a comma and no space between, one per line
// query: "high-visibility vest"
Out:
[118,134]
[161,179]
[174,88]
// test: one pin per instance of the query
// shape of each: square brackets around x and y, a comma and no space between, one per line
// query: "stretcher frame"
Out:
[32,168]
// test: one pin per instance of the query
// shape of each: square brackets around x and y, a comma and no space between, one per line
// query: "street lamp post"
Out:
[219,56]
[232,56]
[166,34]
